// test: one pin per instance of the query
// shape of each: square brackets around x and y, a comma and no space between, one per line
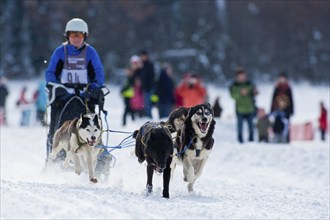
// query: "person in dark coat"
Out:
[3,97]
[283,92]
[165,91]
[217,109]
[148,80]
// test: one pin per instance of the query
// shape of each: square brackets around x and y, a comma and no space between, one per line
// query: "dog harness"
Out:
[146,130]
[80,143]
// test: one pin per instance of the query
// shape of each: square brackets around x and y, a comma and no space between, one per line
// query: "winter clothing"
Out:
[283,94]
[93,64]
[165,92]
[283,91]
[127,93]
[323,122]
[24,104]
[243,93]
[41,102]
[217,109]
[249,119]
[3,96]
[136,102]
[263,124]
[147,77]
[280,126]
[191,94]
[244,103]
[85,63]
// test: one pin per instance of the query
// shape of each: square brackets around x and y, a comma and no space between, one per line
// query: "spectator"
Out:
[3,97]
[148,80]
[280,122]
[243,92]
[137,102]
[283,92]
[165,91]
[323,121]
[217,109]
[263,125]
[41,102]
[127,91]
[191,90]
[25,107]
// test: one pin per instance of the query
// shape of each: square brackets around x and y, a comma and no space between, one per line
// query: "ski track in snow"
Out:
[249,181]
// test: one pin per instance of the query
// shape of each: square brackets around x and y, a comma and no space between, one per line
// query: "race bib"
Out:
[74,76]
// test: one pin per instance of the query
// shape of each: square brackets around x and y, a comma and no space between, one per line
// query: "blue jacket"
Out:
[94,65]
[41,101]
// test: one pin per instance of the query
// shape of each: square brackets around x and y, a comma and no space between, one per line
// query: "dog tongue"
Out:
[90,143]
[203,126]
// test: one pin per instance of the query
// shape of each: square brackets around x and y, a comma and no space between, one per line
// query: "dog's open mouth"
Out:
[91,142]
[203,126]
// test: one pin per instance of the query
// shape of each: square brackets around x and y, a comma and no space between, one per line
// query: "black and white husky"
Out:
[79,138]
[194,143]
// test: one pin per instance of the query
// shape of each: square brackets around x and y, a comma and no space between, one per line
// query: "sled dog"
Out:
[194,142]
[155,145]
[79,138]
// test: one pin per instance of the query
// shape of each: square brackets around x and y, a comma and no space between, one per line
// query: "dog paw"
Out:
[166,195]
[94,180]
[149,189]
[190,188]
[52,156]
[77,171]
[66,164]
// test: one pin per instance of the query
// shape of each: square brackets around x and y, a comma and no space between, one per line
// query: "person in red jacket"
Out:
[192,91]
[323,121]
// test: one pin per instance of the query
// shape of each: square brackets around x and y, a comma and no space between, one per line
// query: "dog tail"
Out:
[135,133]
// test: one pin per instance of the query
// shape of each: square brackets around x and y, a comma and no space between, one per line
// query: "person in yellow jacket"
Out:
[127,93]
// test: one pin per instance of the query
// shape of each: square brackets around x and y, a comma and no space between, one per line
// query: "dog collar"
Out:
[80,143]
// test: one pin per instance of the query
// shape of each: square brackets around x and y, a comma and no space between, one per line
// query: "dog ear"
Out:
[190,111]
[96,120]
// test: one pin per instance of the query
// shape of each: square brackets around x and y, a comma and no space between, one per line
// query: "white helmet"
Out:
[76,24]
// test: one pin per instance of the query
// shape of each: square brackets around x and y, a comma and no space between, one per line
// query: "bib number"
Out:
[74,76]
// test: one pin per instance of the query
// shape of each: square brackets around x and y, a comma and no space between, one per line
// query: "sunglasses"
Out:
[76,34]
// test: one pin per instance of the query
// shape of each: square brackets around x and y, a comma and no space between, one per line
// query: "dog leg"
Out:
[77,165]
[90,167]
[55,150]
[200,168]
[67,160]
[191,186]
[150,172]
[189,174]
[166,180]
[188,170]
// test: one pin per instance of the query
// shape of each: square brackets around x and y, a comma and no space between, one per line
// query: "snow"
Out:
[249,181]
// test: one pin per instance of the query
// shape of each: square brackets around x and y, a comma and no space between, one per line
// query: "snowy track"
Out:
[250,181]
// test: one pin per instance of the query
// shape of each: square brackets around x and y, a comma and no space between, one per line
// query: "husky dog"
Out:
[154,144]
[194,142]
[79,138]
[175,120]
